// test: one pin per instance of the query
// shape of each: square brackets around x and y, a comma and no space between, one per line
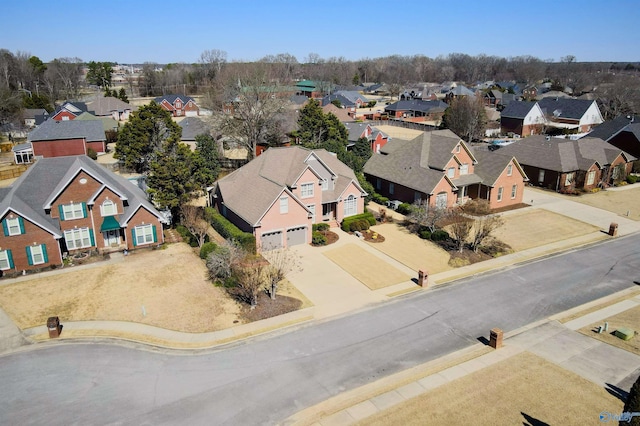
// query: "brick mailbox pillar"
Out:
[495,338]
[53,324]
[423,278]
[613,229]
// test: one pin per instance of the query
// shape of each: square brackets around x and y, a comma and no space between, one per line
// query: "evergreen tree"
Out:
[207,161]
[362,148]
[633,404]
[142,138]
[122,95]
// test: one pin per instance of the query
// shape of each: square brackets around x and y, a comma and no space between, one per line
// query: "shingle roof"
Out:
[341,113]
[563,155]
[610,128]
[517,109]
[57,130]
[32,112]
[355,130]
[105,106]
[32,191]
[352,95]
[108,123]
[192,127]
[565,107]
[418,105]
[344,101]
[491,165]
[250,190]
[172,98]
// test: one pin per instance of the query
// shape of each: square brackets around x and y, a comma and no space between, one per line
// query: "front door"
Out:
[111,238]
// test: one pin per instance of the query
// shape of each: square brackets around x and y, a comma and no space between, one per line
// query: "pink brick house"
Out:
[279,195]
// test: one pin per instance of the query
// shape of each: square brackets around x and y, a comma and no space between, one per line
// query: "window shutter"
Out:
[93,241]
[29,258]
[84,209]
[155,235]
[61,211]
[5,228]
[21,223]
[10,257]
[133,236]
[44,253]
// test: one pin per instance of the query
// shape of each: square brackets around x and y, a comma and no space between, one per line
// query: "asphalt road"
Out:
[266,379]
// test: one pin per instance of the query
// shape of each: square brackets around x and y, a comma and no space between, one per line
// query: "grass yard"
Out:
[630,319]
[171,284]
[524,389]
[536,227]
[366,267]
[618,202]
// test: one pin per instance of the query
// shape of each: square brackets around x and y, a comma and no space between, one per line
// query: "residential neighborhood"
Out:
[343,234]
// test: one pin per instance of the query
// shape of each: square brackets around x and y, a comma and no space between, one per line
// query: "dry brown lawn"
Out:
[536,227]
[410,250]
[171,284]
[365,267]
[524,389]
[630,319]
[618,202]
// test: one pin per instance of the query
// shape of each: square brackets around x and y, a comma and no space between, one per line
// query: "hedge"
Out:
[320,226]
[317,239]
[207,249]
[440,235]
[231,232]
[404,208]
[368,216]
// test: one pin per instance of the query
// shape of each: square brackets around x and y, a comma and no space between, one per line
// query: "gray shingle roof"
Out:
[35,189]
[346,102]
[192,127]
[564,107]
[58,130]
[563,155]
[418,105]
[610,128]
[491,165]
[517,109]
[355,130]
[105,106]
[172,98]
[250,190]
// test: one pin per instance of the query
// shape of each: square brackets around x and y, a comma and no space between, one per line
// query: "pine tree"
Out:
[633,404]
[122,95]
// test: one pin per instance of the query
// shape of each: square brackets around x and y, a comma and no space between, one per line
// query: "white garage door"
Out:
[296,236]
[191,113]
[271,240]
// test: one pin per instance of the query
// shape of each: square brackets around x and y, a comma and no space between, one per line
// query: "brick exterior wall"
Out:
[98,146]
[18,243]
[507,183]
[59,148]
[142,217]
[63,115]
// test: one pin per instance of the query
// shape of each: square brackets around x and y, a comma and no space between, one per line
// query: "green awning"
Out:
[109,224]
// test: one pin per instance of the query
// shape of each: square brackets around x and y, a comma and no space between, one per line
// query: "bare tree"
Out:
[483,226]
[194,218]
[460,227]
[62,78]
[426,215]
[250,279]
[221,262]
[281,263]
[212,61]
[466,117]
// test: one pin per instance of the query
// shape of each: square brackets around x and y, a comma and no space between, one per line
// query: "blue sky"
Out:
[137,31]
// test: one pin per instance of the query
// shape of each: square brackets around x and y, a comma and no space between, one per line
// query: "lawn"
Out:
[618,202]
[630,319]
[524,389]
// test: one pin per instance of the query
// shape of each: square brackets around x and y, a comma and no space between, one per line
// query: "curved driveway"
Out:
[266,379]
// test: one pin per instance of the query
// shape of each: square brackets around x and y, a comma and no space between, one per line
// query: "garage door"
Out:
[191,113]
[296,236]
[271,240]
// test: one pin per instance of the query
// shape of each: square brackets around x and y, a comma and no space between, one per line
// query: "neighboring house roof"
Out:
[418,105]
[461,90]
[565,107]
[298,99]
[192,127]
[341,113]
[33,112]
[610,128]
[352,95]
[553,94]
[253,188]
[91,130]
[418,164]
[105,106]
[517,110]
[22,147]
[563,155]
[491,165]
[34,191]
[356,130]
[172,99]
[344,101]
[108,123]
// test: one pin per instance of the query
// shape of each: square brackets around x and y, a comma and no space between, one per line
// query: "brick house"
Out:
[65,112]
[568,113]
[178,105]
[279,195]
[111,107]
[417,110]
[70,205]
[376,138]
[523,119]
[440,168]
[566,165]
[60,138]
[622,132]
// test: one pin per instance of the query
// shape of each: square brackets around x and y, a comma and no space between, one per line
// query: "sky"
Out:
[137,31]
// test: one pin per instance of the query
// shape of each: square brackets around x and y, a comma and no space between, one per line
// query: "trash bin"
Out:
[53,324]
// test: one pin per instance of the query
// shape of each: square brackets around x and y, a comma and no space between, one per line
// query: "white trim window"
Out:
[284,205]
[509,169]
[13,226]
[514,191]
[451,172]
[73,211]
[78,238]
[350,206]
[568,179]
[37,254]
[108,208]
[5,260]
[464,169]
[325,184]
[500,191]
[144,234]
[591,177]
[306,190]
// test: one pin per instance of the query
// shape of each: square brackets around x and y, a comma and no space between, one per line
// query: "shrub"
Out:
[229,231]
[404,208]
[359,225]
[440,235]
[425,234]
[317,239]
[320,227]
[206,249]
[186,235]
[91,153]
[379,199]
[368,216]
[632,179]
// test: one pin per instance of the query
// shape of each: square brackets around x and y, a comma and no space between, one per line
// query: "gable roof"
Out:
[344,101]
[253,188]
[192,127]
[518,109]
[565,107]
[352,95]
[563,155]
[341,113]
[108,123]
[610,128]
[491,165]
[172,99]
[461,90]
[32,112]
[356,130]
[418,105]
[105,106]
[91,130]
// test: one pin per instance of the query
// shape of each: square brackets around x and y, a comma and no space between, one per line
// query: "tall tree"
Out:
[143,137]
[466,118]
[207,158]
[100,73]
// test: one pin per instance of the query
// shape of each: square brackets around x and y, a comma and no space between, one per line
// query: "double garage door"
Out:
[274,240]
